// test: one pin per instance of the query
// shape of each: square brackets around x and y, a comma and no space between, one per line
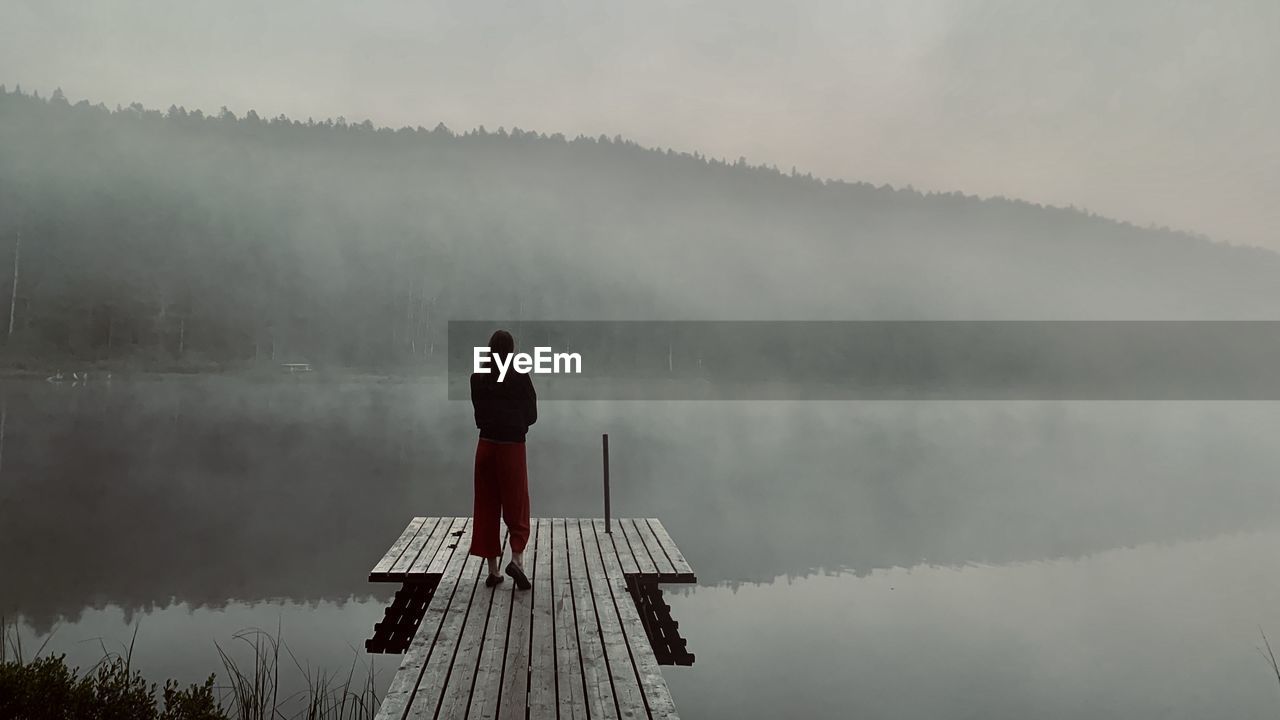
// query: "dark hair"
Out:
[501,344]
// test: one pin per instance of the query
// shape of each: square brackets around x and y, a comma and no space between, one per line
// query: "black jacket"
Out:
[504,410]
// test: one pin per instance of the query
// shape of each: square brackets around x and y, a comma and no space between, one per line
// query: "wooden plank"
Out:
[439,669]
[434,545]
[379,571]
[572,647]
[570,697]
[636,546]
[626,688]
[666,571]
[411,552]
[683,570]
[542,657]
[595,671]
[457,537]
[648,672]
[396,701]
[484,696]
[514,697]
[622,551]
[464,688]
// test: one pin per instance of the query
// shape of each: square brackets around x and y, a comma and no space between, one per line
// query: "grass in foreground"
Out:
[45,688]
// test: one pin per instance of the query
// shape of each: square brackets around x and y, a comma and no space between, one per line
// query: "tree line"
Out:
[215,240]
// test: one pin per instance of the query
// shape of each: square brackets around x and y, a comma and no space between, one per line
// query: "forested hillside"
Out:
[176,237]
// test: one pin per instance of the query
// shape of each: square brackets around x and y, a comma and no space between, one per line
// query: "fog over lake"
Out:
[909,559]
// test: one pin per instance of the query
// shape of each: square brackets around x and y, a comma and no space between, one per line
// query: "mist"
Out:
[1153,112]
[353,244]
[243,248]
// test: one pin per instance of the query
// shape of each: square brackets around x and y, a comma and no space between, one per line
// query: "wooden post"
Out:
[605,439]
[4,412]
[13,294]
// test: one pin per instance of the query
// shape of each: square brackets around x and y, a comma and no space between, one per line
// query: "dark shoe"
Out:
[493,581]
[517,574]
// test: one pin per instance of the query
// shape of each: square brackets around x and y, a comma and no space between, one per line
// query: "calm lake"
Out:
[895,560]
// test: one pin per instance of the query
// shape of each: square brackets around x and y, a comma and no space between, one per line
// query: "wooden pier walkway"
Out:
[574,646]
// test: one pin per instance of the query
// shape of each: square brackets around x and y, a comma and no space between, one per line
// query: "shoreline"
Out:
[96,372]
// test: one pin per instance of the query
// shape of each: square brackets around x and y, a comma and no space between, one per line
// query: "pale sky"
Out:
[1152,111]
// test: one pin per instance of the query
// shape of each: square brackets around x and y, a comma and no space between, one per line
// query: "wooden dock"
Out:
[574,646]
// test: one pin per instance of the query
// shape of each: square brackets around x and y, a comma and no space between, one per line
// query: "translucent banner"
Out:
[916,360]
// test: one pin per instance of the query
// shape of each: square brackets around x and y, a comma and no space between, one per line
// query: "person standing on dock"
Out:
[504,410]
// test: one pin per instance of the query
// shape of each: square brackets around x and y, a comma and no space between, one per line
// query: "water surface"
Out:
[900,560]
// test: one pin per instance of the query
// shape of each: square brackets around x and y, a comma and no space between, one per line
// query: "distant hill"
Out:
[176,236]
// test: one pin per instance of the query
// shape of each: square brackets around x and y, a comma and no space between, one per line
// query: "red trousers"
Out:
[502,488]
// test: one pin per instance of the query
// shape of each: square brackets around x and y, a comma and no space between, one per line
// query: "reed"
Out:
[249,690]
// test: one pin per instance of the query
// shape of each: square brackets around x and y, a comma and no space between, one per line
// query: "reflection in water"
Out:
[669,646]
[223,500]
[177,640]
[400,621]
[1167,631]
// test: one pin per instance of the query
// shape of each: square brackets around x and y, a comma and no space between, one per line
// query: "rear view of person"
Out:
[504,411]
